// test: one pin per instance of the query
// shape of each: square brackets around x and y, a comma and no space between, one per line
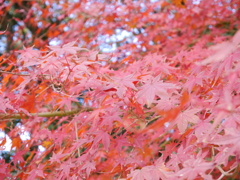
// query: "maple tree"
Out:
[120,89]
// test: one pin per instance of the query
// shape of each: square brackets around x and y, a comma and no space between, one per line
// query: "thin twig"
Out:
[42,91]
[223,173]
[76,132]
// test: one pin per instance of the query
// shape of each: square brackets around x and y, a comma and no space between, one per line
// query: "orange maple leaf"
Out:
[179,3]
[16,142]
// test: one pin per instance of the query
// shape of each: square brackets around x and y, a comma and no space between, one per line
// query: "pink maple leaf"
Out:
[185,117]
[66,166]
[193,80]
[95,56]
[160,170]
[68,48]
[67,101]
[152,172]
[36,172]
[223,49]
[224,153]
[18,156]
[104,137]
[82,68]
[202,128]
[57,157]
[140,174]
[89,166]
[151,88]
[138,140]
[167,103]
[194,167]
[3,167]
[80,142]
[4,104]
[121,141]
[110,117]
[159,63]
[231,137]
[178,157]
[123,82]
[29,56]
[51,64]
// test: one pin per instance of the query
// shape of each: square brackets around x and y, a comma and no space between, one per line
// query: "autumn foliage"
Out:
[122,89]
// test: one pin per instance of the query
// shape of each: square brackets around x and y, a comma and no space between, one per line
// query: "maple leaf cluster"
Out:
[168,111]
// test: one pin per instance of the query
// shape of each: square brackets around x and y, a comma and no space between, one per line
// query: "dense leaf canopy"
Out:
[121,89]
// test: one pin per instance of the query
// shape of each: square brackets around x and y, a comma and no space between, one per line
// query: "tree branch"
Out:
[9,117]
[18,74]
[7,72]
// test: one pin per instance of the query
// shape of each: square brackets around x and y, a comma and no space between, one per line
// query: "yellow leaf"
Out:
[46,144]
